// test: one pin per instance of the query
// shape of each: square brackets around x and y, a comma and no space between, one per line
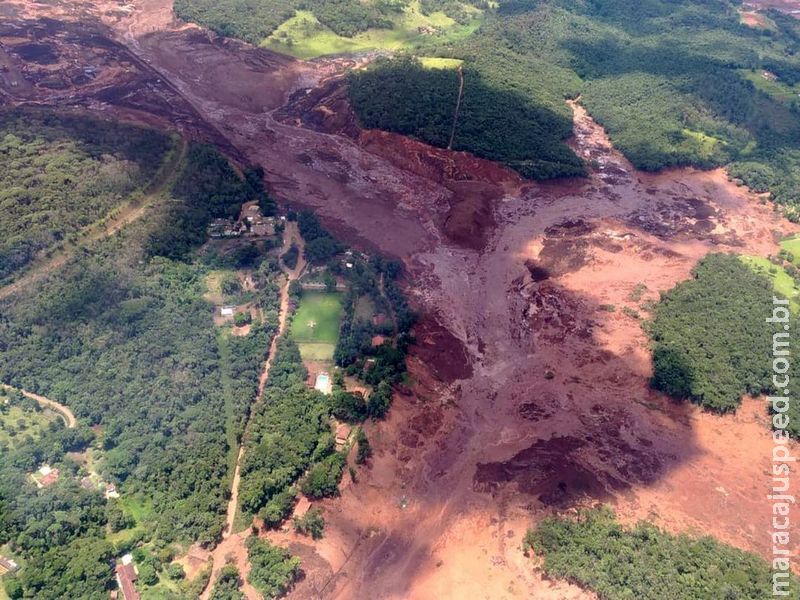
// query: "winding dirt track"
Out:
[528,395]
[65,413]
[128,213]
[232,544]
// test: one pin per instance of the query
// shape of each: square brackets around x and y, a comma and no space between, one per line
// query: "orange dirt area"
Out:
[788,6]
[526,395]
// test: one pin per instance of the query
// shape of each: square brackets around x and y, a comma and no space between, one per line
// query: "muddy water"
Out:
[529,395]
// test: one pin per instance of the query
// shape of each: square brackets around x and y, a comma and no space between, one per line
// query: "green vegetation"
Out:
[710,342]
[273,571]
[289,432]
[406,97]
[122,334]
[674,83]
[643,562]
[227,585]
[709,337]
[22,420]
[60,173]
[315,326]
[312,524]
[311,28]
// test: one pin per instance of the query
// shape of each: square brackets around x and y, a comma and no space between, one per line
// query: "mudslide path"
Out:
[65,413]
[232,545]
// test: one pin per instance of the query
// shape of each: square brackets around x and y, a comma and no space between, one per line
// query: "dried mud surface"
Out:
[528,395]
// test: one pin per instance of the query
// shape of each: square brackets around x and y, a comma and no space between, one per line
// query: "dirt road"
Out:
[65,413]
[125,215]
[232,545]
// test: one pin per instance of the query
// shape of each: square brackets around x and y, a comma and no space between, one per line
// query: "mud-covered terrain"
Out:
[529,395]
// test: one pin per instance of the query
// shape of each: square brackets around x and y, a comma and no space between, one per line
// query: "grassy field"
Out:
[792,245]
[432,62]
[783,283]
[303,36]
[16,424]
[365,308]
[776,89]
[316,324]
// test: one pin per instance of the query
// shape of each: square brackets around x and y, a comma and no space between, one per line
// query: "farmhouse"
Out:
[45,476]
[342,434]
[7,565]
[126,577]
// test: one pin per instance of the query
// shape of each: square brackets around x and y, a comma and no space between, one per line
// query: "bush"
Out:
[312,523]
[273,570]
[323,478]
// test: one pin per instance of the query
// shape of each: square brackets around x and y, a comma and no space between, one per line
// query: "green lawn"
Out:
[792,245]
[315,326]
[432,62]
[303,36]
[782,282]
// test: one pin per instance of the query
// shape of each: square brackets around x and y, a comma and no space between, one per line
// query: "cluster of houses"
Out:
[250,223]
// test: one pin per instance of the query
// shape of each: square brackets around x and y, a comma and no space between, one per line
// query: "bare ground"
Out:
[528,397]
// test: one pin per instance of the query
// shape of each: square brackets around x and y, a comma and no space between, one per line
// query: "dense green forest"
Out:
[125,338]
[289,432]
[670,81]
[646,563]
[61,173]
[710,340]
[254,20]
[273,570]
[493,122]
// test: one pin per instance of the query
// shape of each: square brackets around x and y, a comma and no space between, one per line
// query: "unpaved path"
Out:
[458,107]
[126,214]
[65,413]
[232,545]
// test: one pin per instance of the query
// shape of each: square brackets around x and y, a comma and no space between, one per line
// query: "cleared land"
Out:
[316,324]
[303,36]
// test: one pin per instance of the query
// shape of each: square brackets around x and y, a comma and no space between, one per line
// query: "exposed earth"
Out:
[529,394]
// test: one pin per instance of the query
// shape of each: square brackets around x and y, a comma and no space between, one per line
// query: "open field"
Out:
[316,324]
[16,424]
[783,282]
[303,36]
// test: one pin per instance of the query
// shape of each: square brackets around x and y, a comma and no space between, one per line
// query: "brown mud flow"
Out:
[528,394]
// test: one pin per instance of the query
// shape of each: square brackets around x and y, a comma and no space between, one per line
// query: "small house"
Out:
[227,311]
[7,565]
[342,434]
[126,579]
